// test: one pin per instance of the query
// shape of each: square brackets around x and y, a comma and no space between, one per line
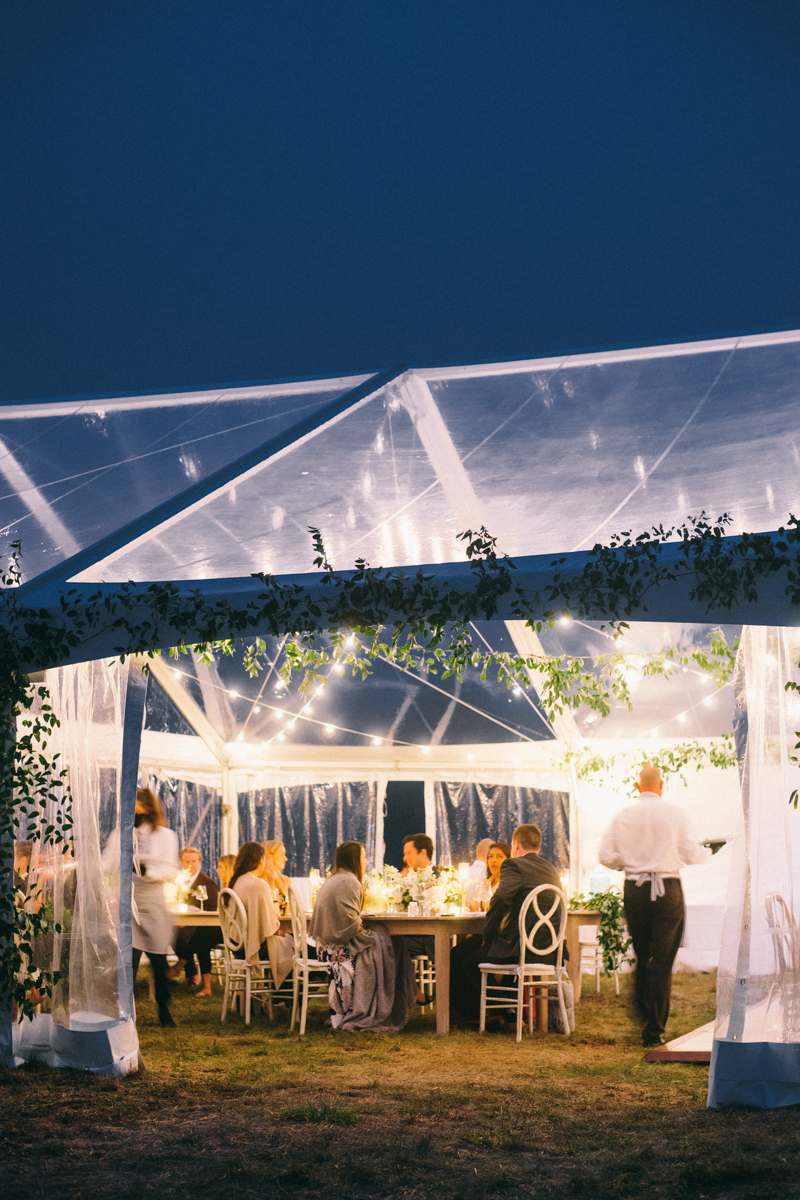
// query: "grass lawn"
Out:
[226,1111]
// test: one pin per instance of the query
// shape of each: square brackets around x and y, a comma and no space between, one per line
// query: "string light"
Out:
[234,694]
[565,621]
[470,757]
[425,749]
[516,691]
[329,729]
[257,708]
[376,741]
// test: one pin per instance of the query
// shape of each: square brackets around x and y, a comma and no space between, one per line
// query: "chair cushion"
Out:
[510,969]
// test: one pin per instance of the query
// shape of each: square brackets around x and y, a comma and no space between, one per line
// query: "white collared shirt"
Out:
[650,835]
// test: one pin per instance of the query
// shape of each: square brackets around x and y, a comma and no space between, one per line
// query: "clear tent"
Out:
[550,455]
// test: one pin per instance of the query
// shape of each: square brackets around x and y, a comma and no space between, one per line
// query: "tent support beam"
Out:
[189,708]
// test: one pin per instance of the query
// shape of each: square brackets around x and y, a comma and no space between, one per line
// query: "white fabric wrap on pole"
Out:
[756,1054]
[92,1024]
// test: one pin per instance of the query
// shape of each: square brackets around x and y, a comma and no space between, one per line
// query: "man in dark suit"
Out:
[197,940]
[519,875]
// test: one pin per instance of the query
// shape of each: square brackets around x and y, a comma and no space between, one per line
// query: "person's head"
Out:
[149,809]
[249,858]
[276,857]
[497,854]
[191,859]
[650,779]
[23,852]
[225,869]
[351,856]
[482,849]
[526,839]
[417,851]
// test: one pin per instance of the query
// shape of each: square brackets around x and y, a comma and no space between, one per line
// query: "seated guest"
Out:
[496,855]
[274,862]
[193,940]
[478,868]
[264,939]
[518,875]
[225,869]
[417,855]
[372,980]
[417,852]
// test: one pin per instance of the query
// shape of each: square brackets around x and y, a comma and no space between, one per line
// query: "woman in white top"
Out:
[155,862]
[264,939]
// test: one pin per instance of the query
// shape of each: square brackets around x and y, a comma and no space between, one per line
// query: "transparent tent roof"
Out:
[551,455]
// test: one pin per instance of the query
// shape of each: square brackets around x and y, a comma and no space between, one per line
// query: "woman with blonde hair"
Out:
[274,862]
[263,926]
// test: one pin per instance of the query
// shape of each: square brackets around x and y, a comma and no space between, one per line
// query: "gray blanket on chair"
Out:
[383,986]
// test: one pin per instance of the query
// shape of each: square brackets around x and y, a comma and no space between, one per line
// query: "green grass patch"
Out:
[321,1114]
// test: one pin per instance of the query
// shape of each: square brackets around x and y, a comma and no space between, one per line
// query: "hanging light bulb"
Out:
[234,694]
[376,741]
[280,737]
[565,621]
[329,729]
[257,708]
[339,669]
[240,737]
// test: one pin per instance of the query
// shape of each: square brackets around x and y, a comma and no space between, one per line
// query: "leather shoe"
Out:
[653,1039]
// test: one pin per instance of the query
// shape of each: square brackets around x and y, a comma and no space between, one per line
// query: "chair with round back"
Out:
[537,977]
[304,967]
[243,979]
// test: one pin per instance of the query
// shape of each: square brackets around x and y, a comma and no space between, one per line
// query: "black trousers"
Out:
[465,977]
[656,928]
[200,941]
[159,962]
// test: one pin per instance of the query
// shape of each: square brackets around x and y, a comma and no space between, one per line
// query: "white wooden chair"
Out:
[537,977]
[304,967]
[243,980]
[592,954]
[425,977]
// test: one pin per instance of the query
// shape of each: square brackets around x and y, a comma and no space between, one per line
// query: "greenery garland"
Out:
[611,935]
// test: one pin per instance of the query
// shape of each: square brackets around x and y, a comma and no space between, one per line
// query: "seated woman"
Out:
[274,862]
[372,984]
[264,939]
[225,866]
[496,855]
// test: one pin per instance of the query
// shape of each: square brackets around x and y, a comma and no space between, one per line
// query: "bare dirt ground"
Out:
[225,1111]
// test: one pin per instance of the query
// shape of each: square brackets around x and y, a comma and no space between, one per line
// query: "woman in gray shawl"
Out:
[372,980]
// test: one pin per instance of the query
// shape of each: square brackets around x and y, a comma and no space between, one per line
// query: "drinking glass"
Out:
[201,894]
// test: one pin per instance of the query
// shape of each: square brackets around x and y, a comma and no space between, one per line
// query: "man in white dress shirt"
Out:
[478,868]
[650,842]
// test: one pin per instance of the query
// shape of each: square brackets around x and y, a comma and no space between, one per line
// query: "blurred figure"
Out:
[155,861]
[478,868]
[225,869]
[194,940]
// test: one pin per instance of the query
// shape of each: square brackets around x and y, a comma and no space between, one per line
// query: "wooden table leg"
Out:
[542,1006]
[442,980]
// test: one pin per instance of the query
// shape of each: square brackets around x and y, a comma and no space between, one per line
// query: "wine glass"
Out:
[201,894]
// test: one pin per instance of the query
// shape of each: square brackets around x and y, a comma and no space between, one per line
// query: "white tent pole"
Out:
[430,812]
[229,829]
[380,842]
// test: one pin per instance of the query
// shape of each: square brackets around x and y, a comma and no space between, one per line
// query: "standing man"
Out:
[650,842]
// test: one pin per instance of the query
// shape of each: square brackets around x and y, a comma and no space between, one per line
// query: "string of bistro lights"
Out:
[304,713]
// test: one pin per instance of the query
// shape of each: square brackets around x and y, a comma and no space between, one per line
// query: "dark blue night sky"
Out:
[201,192]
